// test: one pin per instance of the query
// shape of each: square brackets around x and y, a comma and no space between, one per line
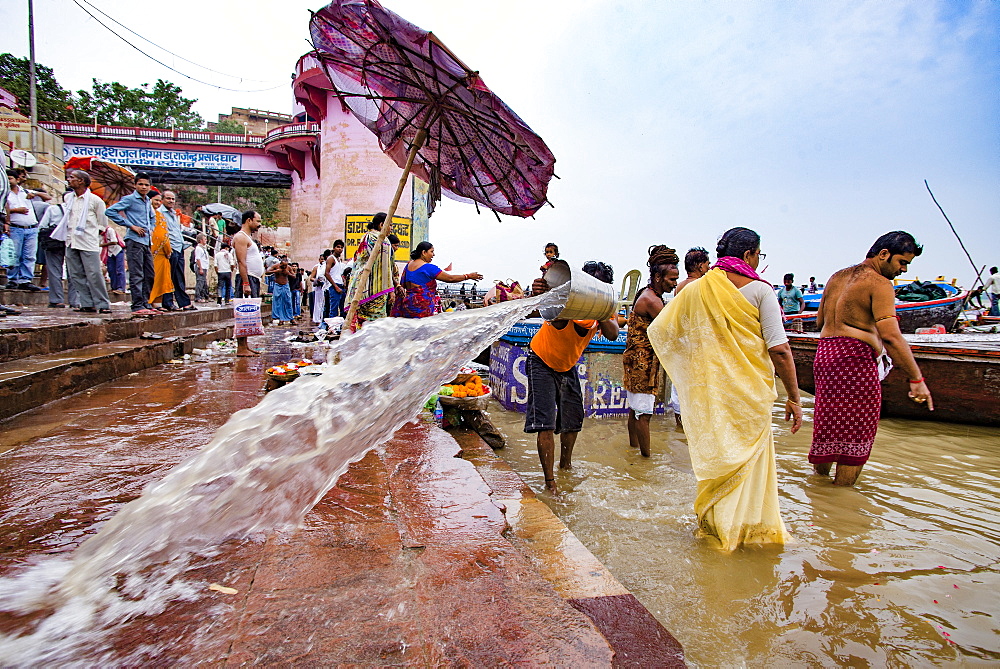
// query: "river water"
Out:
[901,570]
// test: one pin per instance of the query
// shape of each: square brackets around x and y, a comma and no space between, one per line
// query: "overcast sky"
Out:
[814,123]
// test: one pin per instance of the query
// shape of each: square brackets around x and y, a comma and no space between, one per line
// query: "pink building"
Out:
[338,168]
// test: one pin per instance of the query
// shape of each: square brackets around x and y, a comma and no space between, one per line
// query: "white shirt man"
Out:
[22,226]
[85,221]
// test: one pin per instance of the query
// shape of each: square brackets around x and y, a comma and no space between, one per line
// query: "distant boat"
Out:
[962,372]
[912,315]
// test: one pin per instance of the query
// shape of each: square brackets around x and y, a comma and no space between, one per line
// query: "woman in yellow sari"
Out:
[721,340]
[159,245]
[382,281]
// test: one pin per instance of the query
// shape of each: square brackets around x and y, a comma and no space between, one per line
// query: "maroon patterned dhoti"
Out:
[848,401]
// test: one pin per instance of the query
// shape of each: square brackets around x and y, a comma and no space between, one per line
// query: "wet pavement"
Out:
[417,556]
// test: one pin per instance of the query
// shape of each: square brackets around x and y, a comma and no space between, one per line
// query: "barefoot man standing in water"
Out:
[251,269]
[856,319]
[555,399]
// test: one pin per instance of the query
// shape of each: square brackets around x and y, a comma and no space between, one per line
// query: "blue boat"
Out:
[912,315]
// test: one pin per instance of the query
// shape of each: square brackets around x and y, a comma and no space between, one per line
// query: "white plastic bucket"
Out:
[588,297]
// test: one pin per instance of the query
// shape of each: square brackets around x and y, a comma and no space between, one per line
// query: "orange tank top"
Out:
[560,349]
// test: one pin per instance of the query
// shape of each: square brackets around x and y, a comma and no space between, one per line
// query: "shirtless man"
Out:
[696,264]
[857,319]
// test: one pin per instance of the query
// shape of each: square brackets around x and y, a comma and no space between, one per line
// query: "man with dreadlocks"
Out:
[555,399]
[642,369]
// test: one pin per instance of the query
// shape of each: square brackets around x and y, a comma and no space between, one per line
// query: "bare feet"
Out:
[246,352]
[822,468]
[847,475]
[550,487]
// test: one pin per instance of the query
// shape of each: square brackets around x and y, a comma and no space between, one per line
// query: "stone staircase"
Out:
[46,354]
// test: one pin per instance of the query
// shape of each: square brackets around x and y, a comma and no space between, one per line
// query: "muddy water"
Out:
[900,571]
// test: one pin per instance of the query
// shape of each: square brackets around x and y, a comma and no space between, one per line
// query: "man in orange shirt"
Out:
[555,399]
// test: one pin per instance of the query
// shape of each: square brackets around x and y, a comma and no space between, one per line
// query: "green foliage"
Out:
[264,200]
[53,99]
[140,107]
[229,125]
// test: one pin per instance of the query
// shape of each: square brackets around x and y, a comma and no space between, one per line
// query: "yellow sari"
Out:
[709,340]
[159,245]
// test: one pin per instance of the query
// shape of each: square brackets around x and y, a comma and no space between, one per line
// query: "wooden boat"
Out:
[912,315]
[962,372]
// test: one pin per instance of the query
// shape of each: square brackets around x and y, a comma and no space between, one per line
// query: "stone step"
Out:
[29,382]
[41,330]
[20,298]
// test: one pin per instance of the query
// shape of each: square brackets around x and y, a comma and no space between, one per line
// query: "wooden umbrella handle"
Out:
[418,142]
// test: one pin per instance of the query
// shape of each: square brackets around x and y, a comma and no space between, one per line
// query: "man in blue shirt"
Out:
[791,297]
[135,213]
[177,246]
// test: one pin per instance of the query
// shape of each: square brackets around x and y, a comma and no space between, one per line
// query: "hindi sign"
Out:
[144,157]
[356,225]
[11,121]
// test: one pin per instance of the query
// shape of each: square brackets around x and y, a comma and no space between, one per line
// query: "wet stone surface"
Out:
[403,562]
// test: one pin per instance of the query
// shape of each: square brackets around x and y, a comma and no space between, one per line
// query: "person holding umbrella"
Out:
[373,300]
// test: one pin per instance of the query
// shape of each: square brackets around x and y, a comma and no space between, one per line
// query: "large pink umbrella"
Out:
[432,114]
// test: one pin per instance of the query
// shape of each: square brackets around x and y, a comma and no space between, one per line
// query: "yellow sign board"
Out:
[356,226]
[11,121]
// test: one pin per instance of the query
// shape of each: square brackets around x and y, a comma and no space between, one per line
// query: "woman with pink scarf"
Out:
[721,341]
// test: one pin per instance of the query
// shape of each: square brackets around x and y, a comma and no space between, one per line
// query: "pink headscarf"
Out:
[738,266]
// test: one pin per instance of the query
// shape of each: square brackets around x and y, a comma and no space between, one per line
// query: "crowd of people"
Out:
[719,336]
[138,246]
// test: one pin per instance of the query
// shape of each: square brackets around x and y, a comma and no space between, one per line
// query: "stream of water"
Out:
[263,470]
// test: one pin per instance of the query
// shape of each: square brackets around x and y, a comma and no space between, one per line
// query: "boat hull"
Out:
[964,382]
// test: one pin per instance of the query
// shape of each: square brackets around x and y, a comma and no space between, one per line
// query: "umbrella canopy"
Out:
[431,113]
[224,210]
[398,80]
[108,181]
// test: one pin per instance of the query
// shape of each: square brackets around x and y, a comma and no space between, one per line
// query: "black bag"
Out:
[45,241]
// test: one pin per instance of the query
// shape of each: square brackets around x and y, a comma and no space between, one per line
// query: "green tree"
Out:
[140,107]
[53,100]
[264,200]
[229,125]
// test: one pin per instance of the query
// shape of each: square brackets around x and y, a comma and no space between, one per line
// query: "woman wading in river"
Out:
[721,341]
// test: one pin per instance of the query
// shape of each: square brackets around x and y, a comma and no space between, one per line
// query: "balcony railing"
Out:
[303,128]
[152,134]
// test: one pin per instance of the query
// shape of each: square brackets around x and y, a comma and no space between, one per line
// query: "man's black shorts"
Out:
[555,399]
[254,285]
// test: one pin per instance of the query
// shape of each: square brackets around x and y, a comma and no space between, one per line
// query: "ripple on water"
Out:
[857,586]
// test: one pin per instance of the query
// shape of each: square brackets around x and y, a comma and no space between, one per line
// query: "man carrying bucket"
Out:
[555,399]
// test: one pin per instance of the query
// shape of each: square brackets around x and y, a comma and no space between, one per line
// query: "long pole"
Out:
[32,96]
[955,232]
[418,142]
[979,272]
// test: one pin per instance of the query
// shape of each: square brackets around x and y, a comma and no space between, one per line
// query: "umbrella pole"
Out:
[418,142]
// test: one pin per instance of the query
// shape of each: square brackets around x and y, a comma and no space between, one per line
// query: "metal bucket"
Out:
[588,297]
